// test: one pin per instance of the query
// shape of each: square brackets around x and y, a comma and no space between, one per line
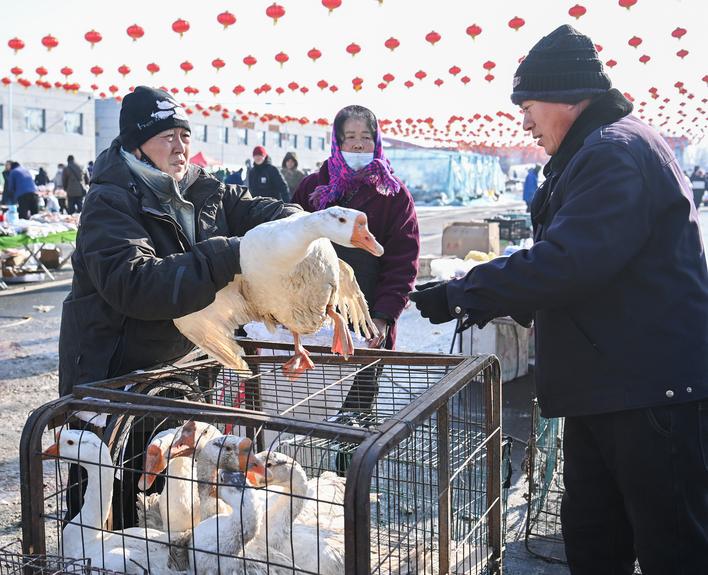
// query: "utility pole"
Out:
[10,127]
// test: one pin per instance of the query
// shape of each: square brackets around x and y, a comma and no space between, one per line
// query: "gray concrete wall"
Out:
[49,147]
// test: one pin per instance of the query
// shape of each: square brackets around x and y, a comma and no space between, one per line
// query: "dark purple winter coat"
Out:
[387,280]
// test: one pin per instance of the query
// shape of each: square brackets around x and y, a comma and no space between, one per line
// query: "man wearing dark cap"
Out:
[264,179]
[617,285]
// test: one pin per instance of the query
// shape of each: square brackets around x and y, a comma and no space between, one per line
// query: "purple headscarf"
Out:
[343,181]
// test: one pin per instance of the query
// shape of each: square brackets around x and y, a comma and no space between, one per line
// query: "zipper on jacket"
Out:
[181,236]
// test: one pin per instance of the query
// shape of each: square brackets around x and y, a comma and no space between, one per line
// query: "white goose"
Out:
[290,275]
[132,550]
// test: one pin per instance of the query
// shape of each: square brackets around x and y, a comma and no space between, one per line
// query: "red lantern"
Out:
[455,70]
[408,84]
[679,33]
[634,41]
[432,37]
[304,89]
[275,11]
[180,26]
[420,74]
[123,70]
[353,49]
[174,90]
[611,63]
[577,11]
[438,82]
[187,66]
[489,77]
[357,83]
[293,86]
[281,58]
[41,71]
[16,70]
[238,90]
[489,65]
[6,81]
[682,53]
[66,71]
[333,88]
[322,84]
[16,44]
[96,70]
[218,63]
[94,87]
[50,42]
[112,88]
[93,37]
[516,23]
[153,68]
[465,80]
[381,85]
[474,31]
[214,90]
[135,32]
[627,3]
[598,47]
[388,78]
[249,61]
[331,5]
[279,90]
[226,19]
[392,43]
[644,58]
[314,54]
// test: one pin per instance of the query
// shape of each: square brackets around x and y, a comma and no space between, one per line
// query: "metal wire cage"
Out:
[413,441]
[14,562]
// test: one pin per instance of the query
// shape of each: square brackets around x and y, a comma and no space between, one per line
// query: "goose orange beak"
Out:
[252,465]
[51,452]
[154,463]
[363,239]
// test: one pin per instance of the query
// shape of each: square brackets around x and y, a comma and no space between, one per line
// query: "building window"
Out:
[35,120]
[199,133]
[2,115]
[224,134]
[260,138]
[308,142]
[293,141]
[322,143]
[241,136]
[73,123]
[282,140]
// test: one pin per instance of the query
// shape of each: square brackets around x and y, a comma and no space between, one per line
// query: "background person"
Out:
[291,174]
[530,185]
[22,191]
[618,286]
[75,181]
[264,179]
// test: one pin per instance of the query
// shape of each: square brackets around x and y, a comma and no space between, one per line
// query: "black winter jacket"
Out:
[617,276]
[135,271]
[265,180]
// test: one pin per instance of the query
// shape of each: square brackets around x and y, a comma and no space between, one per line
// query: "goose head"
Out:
[280,470]
[157,456]
[78,445]
[191,437]
[348,228]
[236,454]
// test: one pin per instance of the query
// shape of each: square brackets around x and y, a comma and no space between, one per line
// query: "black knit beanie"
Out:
[561,67]
[147,112]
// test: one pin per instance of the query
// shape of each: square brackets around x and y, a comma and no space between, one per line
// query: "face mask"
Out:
[356,160]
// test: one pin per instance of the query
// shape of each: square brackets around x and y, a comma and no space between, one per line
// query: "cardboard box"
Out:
[458,238]
[50,257]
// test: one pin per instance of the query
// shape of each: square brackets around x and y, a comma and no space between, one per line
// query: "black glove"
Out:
[431,299]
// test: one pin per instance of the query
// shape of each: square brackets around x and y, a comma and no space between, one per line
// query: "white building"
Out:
[41,127]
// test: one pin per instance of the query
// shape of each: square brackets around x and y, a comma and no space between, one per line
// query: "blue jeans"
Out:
[636,485]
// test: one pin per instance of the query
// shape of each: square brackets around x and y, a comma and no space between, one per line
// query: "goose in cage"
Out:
[292,276]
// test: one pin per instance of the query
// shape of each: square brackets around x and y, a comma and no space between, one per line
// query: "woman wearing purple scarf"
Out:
[357,175]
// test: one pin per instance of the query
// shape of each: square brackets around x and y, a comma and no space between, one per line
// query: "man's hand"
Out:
[378,341]
[431,299]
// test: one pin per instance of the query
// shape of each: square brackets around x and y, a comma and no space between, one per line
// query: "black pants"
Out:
[636,484]
[74,204]
[27,205]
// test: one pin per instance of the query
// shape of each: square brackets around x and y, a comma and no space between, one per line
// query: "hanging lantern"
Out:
[611,63]
[281,58]
[249,61]
[392,43]
[275,11]
[94,87]
[187,66]
[333,88]
[180,26]
[93,37]
[432,37]
[627,3]
[598,47]
[238,90]
[679,33]
[489,77]
[96,70]
[408,84]
[439,82]
[41,71]
[420,74]
[174,90]
[465,80]
[682,53]
[214,90]
[455,70]
[314,54]
[634,41]
[474,30]
[388,78]
[293,86]
[50,42]
[16,70]
[6,81]
[135,32]
[331,5]
[112,88]
[153,68]
[515,23]
[66,71]
[381,86]
[226,19]
[218,63]
[123,70]
[577,11]
[644,58]
[357,83]
[353,49]
[322,84]
[16,44]
[279,90]
[489,65]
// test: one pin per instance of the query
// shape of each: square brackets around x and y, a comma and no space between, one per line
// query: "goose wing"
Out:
[351,303]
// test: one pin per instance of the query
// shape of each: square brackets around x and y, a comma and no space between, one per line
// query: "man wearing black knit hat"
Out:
[617,285]
[158,238]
